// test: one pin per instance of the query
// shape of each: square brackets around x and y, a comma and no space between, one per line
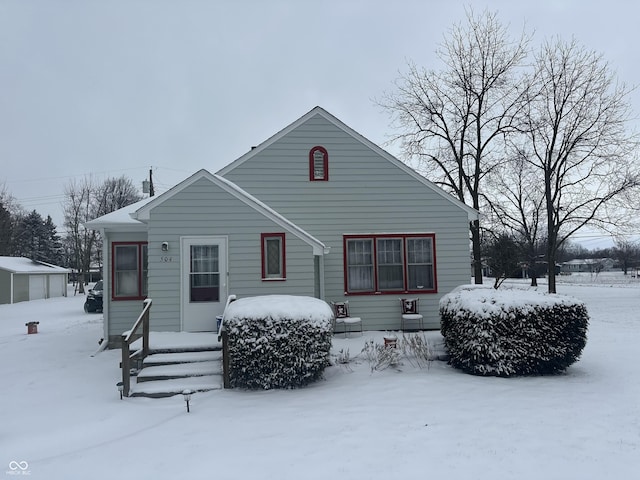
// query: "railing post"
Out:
[126,369]
[145,333]
[129,337]
[226,379]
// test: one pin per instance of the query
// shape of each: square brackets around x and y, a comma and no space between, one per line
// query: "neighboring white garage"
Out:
[22,279]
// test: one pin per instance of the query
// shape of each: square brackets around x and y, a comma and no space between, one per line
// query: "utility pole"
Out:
[151,191]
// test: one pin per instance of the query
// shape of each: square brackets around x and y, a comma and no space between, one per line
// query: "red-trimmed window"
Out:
[318,164]
[129,269]
[274,266]
[390,263]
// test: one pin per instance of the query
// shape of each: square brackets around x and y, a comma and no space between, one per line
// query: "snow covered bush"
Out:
[512,331]
[277,341]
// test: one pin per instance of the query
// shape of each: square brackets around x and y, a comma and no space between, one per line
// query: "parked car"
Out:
[93,303]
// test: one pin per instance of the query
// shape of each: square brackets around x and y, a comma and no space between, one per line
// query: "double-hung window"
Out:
[389,263]
[129,270]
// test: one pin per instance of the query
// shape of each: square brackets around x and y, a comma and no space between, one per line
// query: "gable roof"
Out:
[139,213]
[26,265]
[472,213]
[119,218]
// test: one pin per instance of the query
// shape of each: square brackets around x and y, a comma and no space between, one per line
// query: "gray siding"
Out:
[205,209]
[120,315]
[365,194]
[20,288]
[5,287]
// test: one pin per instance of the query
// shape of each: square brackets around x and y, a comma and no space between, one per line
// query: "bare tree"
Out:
[576,119]
[627,253]
[114,194]
[518,205]
[78,209]
[85,201]
[10,203]
[452,119]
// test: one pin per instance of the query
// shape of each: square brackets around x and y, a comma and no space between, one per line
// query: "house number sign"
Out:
[166,259]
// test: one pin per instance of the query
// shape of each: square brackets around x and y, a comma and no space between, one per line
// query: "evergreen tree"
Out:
[52,245]
[502,256]
[6,230]
[30,237]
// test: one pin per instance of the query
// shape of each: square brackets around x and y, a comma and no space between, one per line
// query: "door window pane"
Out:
[204,277]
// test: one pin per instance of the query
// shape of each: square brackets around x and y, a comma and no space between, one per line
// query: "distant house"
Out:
[589,265]
[22,279]
[315,210]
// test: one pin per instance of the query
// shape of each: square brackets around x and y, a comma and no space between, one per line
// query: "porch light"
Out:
[120,386]
[187,396]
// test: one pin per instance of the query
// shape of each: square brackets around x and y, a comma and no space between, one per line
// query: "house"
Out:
[23,279]
[316,210]
[591,265]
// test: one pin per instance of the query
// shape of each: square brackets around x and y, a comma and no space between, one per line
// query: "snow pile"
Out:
[297,308]
[513,331]
[278,341]
[62,413]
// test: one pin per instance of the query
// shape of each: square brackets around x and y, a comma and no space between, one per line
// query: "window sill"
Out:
[120,299]
[274,279]
[395,292]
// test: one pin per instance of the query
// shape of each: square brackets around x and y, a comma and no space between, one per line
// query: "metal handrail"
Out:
[224,337]
[131,336]
[230,298]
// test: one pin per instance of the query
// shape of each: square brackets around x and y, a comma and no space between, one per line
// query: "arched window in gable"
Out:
[318,164]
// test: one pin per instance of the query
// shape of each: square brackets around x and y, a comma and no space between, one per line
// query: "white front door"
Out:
[204,282]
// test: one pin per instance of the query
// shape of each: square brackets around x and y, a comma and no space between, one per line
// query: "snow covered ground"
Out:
[61,416]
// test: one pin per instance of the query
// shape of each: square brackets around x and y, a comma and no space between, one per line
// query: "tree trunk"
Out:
[551,265]
[80,282]
[477,255]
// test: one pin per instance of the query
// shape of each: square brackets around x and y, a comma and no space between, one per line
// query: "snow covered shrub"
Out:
[512,332]
[277,341]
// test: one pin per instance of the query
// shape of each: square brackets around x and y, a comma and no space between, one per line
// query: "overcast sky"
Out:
[121,86]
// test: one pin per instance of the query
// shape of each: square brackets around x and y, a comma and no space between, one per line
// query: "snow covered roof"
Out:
[26,265]
[137,214]
[319,248]
[472,213]
[121,217]
[588,261]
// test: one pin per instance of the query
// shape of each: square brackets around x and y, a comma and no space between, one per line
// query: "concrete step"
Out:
[168,342]
[179,370]
[168,388]
[181,357]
